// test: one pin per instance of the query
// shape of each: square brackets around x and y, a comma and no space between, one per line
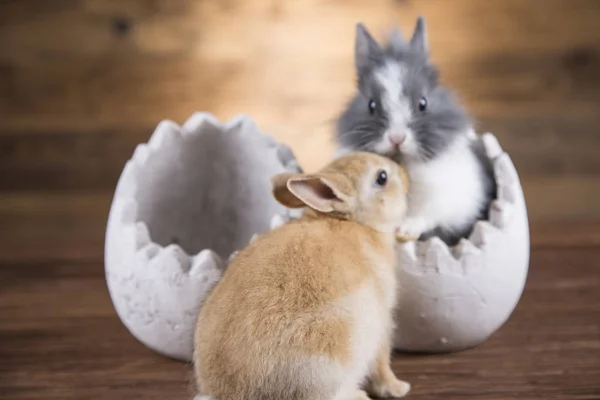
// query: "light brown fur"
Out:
[282,323]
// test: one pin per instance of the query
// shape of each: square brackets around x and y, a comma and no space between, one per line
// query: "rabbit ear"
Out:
[279,189]
[419,39]
[321,192]
[366,49]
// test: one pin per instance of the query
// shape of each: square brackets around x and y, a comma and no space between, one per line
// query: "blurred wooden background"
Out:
[83,81]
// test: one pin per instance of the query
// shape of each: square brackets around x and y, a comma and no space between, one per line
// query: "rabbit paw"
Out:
[392,387]
[412,229]
[404,237]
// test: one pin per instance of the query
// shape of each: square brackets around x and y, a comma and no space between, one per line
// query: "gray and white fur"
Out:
[403,112]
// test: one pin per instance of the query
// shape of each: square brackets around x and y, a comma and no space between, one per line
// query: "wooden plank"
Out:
[53,226]
[562,197]
[567,233]
[550,145]
[47,216]
[55,160]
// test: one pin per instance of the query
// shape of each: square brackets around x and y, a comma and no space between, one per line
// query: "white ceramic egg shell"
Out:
[184,202]
[454,298]
[449,299]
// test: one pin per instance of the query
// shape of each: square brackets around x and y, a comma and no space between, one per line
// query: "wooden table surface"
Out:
[83,81]
[61,339]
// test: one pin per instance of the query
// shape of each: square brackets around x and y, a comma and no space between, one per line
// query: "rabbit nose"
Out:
[397,138]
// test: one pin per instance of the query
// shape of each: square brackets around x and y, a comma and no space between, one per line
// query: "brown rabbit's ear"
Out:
[321,192]
[279,188]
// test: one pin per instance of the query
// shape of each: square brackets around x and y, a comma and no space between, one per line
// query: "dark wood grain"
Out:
[61,339]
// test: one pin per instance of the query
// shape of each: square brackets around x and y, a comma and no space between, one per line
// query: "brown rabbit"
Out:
[305,311]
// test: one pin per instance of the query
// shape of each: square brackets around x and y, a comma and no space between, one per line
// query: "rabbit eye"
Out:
[372,106]
[422,104]
[381,178]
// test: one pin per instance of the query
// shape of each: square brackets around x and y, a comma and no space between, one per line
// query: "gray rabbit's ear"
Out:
[396,41]
[419,40]
[366,49]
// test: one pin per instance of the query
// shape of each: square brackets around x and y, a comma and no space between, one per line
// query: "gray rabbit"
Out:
[402,111]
